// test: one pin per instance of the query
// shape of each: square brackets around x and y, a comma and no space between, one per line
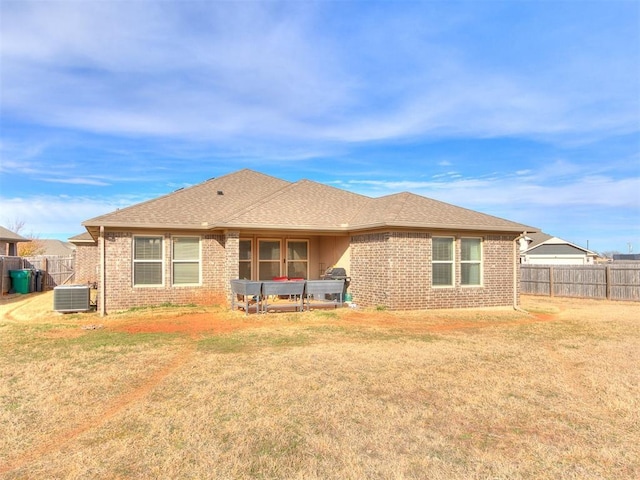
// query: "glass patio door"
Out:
[269,259]
[298,259]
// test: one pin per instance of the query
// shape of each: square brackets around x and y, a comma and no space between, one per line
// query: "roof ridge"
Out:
[256,204]
[398,208]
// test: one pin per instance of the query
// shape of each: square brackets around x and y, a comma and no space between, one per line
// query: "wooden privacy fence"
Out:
[612,282]
[56,270]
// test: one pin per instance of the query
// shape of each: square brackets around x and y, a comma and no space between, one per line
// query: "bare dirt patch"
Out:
[490,393]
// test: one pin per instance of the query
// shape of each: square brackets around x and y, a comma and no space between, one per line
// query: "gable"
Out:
[555,249]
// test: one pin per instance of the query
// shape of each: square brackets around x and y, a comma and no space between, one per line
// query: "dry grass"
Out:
[207,393]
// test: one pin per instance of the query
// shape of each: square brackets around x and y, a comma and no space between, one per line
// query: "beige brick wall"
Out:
[369,269]
[121,294]
[393,270]
[87,263]
[388,269]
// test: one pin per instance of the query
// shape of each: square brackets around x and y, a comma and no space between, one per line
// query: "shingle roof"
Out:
[7,235]
[55,247]
[84,237]
[201,206]
[411,210]
[302,205]
[252,200]
[541,239]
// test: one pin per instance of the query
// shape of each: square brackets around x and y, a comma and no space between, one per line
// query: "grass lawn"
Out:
[195,392]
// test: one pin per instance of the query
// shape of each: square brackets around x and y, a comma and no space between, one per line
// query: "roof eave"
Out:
[149,226]
[518,229]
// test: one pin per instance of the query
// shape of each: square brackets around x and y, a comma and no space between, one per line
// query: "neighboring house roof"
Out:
[627,257]
[545,244]
[248,199]
[7,235]
[55,248]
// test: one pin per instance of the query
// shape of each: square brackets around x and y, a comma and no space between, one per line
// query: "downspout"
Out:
[103,275]
[516,260]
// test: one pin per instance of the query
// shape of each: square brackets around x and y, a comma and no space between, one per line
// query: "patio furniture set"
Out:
[285,295]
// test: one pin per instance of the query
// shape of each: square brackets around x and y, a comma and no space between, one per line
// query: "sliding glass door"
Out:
[298,259]
[269,259]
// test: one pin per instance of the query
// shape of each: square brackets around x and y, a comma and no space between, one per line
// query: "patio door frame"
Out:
[260,261]
[290,260]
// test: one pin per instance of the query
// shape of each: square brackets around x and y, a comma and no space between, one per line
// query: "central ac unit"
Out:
[71,298]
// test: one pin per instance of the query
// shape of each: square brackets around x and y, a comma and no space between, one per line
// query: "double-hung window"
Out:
[471,261]
[442,255]
[147,261]
[186,260]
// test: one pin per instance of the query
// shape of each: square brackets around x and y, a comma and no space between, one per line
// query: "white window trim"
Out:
[134,261]
[481,262]
[452,262]
[174,261]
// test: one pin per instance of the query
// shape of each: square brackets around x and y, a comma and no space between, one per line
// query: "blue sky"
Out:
[524,110]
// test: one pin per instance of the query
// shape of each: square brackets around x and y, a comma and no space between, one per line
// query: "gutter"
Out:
[103,273]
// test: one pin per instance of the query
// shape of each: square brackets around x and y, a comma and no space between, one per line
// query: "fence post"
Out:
[551,293]
[607,279]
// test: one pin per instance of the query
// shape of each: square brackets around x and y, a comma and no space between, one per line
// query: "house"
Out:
[9,242]
[55,248]
[543,249]
[401,251]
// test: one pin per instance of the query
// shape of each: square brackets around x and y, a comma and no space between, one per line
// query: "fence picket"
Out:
[615,282]
[57,270]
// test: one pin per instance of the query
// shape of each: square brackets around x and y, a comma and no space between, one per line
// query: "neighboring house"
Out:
[55,248]
[401,251]
[9,242]
[543,249]
[626,257]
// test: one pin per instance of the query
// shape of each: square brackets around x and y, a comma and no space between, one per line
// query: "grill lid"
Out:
[333,272]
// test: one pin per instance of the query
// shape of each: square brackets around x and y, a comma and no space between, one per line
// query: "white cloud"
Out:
[229,71]
[542,190]
[76,181]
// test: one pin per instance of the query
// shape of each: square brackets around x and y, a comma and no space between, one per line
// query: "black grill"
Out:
[335,273]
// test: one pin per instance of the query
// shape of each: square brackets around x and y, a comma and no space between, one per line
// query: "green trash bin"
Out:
[20,280]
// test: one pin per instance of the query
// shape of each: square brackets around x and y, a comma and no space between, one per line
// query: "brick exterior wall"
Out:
[232,256]
[87,263]
[388,269]
[393,270]
[119,289]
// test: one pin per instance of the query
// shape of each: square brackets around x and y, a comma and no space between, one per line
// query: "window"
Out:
[442,261]
[297,258]
[147,261]
[186,260]
[471,261]
[244,269]
[268,259]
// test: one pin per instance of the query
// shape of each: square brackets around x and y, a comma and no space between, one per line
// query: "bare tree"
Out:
[16,225]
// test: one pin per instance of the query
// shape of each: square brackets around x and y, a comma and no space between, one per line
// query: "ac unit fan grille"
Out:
[71,298]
